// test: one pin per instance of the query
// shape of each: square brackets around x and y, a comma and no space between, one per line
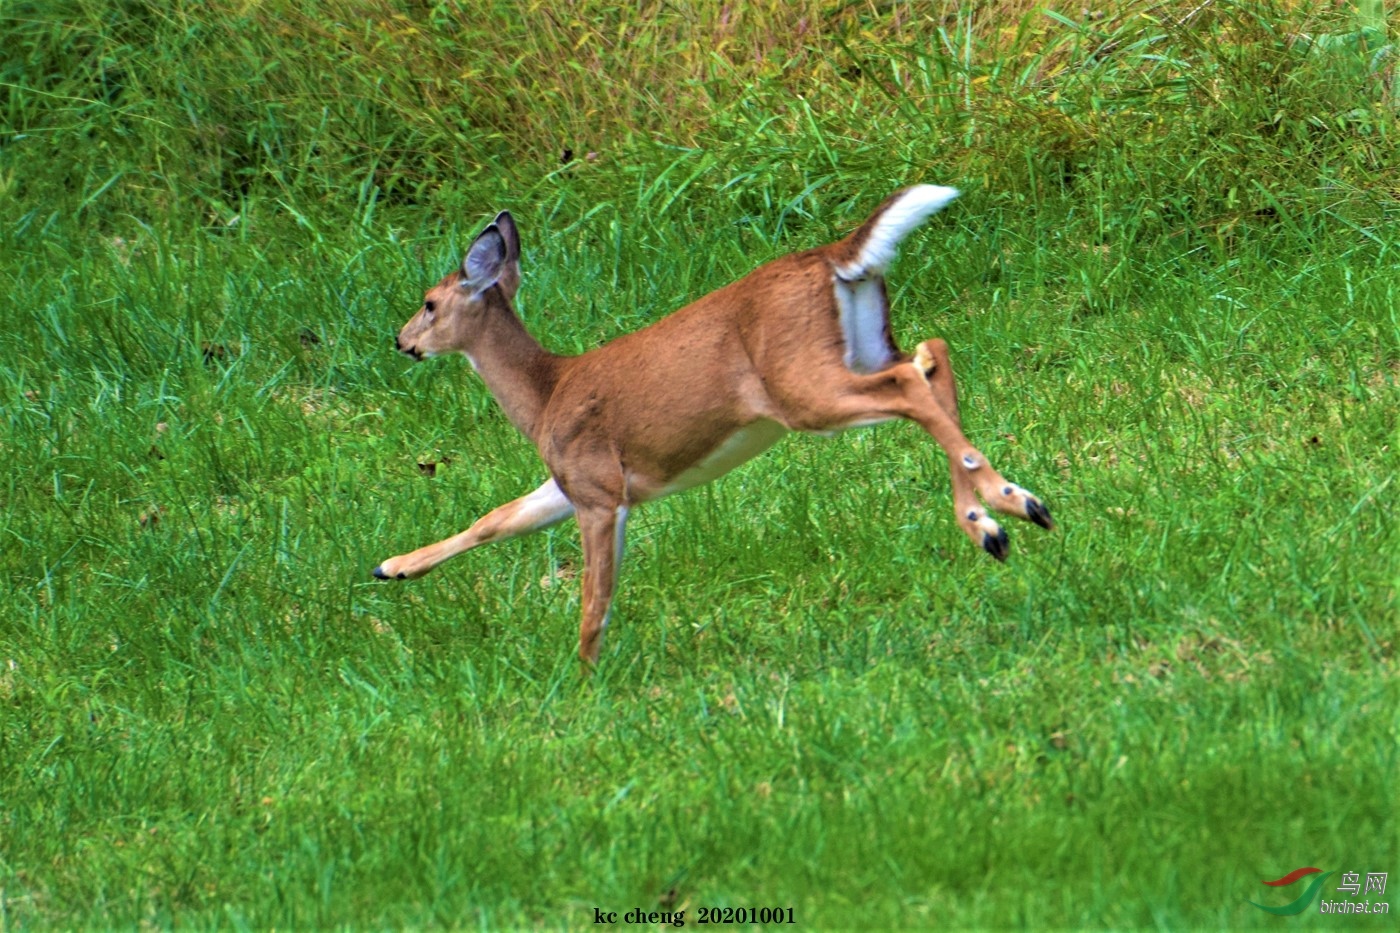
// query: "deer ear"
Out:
[484,261]
[506,224]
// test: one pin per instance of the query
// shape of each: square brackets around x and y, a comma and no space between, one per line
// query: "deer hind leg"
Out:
[602,530]
[545,506]
[970,471]
[922,390]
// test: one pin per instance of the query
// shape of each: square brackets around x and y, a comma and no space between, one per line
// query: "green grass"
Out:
[816,693]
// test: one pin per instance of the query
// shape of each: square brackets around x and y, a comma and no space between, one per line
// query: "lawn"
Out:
[1171,293]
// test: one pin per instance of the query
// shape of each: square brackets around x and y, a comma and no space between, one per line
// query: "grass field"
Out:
[1172,294]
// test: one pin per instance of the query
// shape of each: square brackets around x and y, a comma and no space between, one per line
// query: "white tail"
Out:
[900,216]
[801,344]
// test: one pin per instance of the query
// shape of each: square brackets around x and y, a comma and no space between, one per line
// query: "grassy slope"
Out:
[214,717]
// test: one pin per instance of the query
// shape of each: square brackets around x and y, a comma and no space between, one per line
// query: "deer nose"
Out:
[407,351]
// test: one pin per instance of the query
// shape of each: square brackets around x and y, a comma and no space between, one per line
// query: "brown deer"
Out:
[800,344]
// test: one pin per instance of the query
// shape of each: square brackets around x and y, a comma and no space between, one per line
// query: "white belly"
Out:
[741,446]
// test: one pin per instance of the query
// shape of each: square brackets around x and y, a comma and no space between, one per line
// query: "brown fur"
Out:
[618,425]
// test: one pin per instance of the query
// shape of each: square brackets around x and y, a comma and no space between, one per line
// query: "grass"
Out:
[1173,318]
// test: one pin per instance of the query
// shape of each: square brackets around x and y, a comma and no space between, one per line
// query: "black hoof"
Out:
[997,545]
[1038,513]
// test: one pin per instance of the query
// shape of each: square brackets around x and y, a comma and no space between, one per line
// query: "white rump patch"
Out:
[914,206]
[864,323]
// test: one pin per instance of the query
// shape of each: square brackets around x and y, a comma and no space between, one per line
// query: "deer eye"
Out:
[429,306]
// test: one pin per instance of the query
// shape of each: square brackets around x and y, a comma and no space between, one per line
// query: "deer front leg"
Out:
[546,506]
[931,361]
[602,530]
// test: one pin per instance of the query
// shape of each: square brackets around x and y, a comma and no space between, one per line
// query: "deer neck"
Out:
[519,372]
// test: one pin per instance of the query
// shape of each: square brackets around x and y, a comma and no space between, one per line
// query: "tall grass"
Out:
[1171,294]
[134,107]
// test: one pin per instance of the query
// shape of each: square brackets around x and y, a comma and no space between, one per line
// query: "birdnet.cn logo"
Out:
[1352,888]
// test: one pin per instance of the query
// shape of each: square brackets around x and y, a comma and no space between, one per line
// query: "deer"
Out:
[802,343]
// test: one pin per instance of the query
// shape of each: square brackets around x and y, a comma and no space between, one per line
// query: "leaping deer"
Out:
[800,344]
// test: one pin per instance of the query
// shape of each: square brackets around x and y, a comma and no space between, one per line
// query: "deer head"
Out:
[455,311]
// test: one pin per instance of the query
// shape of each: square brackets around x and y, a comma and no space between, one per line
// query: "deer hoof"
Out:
[1038,513]
[997,545]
